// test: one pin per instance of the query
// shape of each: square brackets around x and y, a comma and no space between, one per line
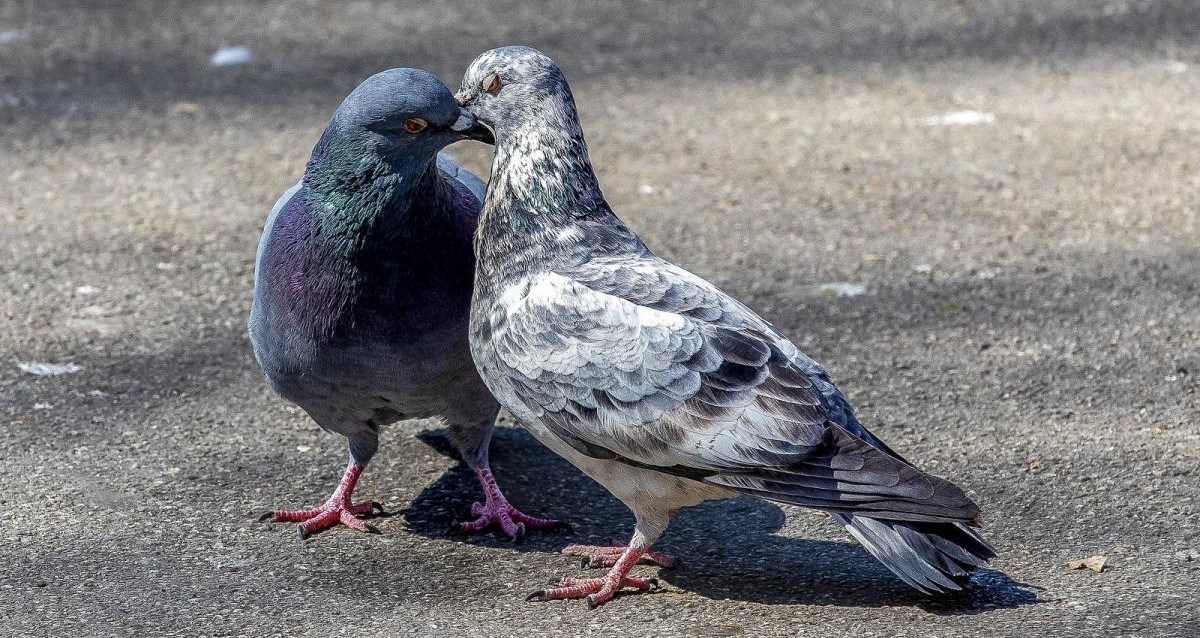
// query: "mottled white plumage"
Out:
[654,382]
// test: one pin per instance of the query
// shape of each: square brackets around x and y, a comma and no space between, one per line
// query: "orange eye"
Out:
[415,125]
[492,84]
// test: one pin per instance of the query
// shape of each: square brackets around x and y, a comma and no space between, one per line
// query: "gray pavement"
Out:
[1014,186]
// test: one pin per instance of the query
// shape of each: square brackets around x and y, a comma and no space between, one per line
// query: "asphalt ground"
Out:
[1008,191]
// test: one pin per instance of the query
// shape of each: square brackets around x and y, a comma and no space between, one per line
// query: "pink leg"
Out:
[607,555]
[496,510]
[600,590]
[338,509]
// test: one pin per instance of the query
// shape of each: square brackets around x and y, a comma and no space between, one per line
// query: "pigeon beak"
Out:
[473,129]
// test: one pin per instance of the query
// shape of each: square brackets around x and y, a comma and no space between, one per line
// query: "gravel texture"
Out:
[983,217]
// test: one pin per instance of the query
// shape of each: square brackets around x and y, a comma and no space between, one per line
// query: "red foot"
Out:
[337,509]
[607,556]
[498,511]
[598,591]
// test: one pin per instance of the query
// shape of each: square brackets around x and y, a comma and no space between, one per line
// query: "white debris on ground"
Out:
[231,56]
[646,189]
[48,369]
[86,290]
[960,118]
[104,326]
[12,35]
[843,289]
[186,108]
[1176,67]
[99,319]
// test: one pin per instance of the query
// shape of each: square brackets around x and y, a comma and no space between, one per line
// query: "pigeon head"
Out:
[509,86]
[405,113]
[378,148]
[541,160]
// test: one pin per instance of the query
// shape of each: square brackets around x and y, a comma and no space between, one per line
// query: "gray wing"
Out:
[448,166]
[646,364]
[664,286]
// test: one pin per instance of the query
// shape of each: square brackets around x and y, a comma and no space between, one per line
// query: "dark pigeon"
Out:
[658,385]
[363,283]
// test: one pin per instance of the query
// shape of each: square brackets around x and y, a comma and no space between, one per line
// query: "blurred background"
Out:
[982,216]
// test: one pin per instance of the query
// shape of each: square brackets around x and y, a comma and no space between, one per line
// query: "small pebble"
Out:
[1094,563]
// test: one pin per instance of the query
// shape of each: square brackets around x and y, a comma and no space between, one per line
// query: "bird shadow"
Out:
[757,558]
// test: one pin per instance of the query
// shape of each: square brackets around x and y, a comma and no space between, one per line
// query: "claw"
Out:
[372,529]
[585,562]
[597,591]
[337,509]
[537,595]
[495,510]
[563,526]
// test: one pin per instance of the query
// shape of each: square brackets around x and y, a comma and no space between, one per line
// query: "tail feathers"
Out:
[931,557]
[916,524]
[851,476]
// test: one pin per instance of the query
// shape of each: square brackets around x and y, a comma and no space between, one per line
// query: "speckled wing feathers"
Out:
[642,362]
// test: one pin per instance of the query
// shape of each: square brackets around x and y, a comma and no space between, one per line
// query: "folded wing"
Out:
[649,365]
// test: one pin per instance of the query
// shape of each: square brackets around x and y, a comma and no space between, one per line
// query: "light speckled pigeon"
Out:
[362,288]
[655,383]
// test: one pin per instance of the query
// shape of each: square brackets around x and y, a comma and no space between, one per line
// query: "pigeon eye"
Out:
[491,84]
[415,125]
